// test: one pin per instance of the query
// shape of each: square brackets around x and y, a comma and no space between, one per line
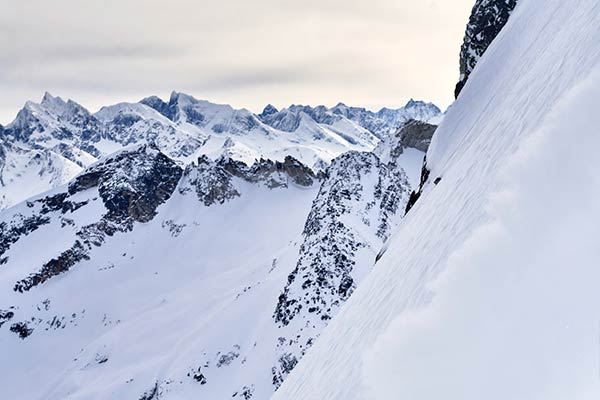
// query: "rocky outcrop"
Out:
[214,181]
[352,216]
[487,20]
[211,182]
[413,134]
[132,184]
[273,174]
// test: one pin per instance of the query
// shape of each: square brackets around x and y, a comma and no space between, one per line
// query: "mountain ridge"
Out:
[185,128]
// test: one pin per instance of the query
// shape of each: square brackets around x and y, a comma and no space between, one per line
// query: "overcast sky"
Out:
[246,53]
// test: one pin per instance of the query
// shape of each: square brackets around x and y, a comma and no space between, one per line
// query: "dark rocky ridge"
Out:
[353,213]
[132,184]
[488,17]
[213,181]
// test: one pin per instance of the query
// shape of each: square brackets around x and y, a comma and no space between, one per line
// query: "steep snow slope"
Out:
[547,48]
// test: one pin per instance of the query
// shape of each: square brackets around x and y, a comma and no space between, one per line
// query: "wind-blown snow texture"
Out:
[50,142]
[515,313]
[527,83]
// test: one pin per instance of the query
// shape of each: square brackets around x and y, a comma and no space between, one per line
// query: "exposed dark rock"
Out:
[413,134]
[227,358]
[488,17]
[273,173]
[53,267]
[151,394]
[199,377]
[268,110]
[352,213]
[417,134]
[22,329]
[11,232]
[132,184]
[211,182]
[5,316]
[285,365]
[246,393]
[416,194]
[169,110]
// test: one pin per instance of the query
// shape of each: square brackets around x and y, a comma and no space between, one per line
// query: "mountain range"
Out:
[49,142]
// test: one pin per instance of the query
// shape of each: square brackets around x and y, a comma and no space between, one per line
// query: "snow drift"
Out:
[513,315]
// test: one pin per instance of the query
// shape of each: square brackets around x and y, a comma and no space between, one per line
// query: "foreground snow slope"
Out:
[515,314]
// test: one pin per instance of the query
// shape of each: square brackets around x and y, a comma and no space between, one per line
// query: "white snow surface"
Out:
[489,287]
[27,172]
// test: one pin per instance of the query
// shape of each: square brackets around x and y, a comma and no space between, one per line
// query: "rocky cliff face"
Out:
[215,181]
[130,184]
[487,20]
[359,202]
[412,135]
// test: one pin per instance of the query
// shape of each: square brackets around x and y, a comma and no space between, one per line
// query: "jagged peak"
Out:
[269,110]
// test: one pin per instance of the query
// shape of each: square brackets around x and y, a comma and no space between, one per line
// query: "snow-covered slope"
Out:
[515,313]
[184,128]
[26,172]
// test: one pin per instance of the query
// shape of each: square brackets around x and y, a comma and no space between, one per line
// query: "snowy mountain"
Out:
[161,281]
[185,128]
[26,172]
[488,288]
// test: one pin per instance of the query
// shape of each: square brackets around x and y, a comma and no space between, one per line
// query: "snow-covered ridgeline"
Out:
[185,128]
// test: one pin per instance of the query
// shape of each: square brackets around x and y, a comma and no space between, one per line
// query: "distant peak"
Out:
[47,97]
[269,110]
[174,96]
[177,97]
[412,102]
[49,100]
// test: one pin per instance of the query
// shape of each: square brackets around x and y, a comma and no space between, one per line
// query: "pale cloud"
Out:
[373,54]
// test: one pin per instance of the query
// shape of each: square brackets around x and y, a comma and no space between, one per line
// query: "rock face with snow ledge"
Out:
[381,346]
